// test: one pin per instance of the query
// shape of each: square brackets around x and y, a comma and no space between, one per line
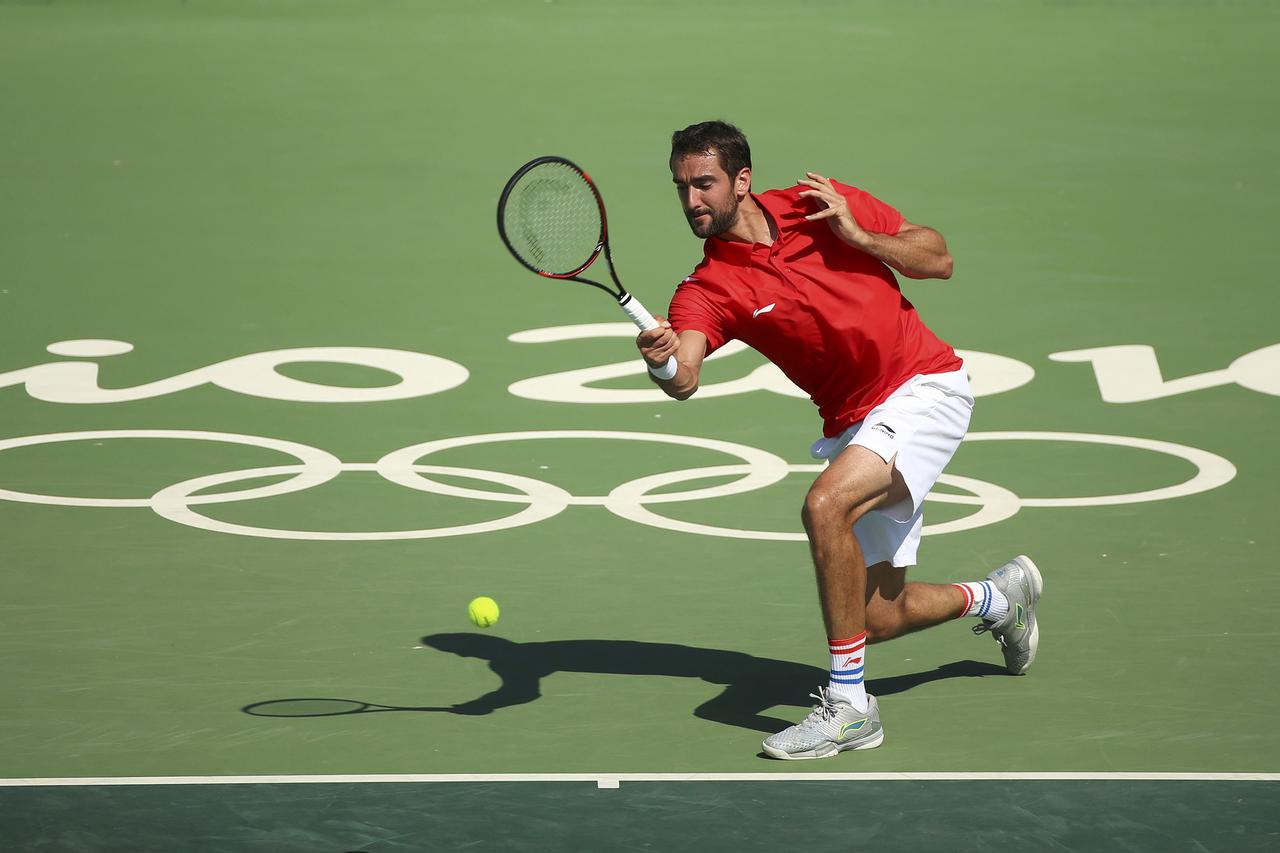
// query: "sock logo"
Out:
[851,660]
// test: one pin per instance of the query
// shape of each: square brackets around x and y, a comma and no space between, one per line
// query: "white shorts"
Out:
[918,429]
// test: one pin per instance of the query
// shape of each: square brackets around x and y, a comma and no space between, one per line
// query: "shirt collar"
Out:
[738,253]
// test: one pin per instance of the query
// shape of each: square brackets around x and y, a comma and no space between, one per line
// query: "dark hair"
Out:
[728,143]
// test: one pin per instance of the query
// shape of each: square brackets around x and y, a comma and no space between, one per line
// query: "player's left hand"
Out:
[833,207]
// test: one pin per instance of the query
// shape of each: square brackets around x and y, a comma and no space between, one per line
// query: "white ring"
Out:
[319,466]
[765,468]
[997,504]
[172,503]
[1212,470]
[629,499]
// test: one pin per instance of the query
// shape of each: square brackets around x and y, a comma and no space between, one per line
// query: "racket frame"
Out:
[631,306]
[602,245]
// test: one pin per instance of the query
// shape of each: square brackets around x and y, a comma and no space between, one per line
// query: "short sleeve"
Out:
[692,308]
[870,212]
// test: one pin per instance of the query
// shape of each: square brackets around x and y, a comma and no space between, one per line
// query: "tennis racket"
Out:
[551,217]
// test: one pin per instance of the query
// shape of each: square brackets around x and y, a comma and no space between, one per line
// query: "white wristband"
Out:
[667,371]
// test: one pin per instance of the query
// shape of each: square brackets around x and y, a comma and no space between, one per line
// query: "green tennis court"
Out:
[275,404]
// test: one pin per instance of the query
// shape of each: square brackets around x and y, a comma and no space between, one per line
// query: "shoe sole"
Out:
[1037,587]
[830,751]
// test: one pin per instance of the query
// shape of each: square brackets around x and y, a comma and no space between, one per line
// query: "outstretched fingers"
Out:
[824,214]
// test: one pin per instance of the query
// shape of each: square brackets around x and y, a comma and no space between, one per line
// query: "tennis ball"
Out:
[483,611]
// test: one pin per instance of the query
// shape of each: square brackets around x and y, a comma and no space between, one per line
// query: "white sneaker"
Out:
[1017,633]
[831,727]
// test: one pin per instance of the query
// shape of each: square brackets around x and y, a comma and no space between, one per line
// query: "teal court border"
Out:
[917,811]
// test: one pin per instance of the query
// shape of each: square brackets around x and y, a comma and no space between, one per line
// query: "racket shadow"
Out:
[323,706]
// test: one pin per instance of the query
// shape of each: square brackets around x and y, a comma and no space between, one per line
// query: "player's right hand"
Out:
[658,345]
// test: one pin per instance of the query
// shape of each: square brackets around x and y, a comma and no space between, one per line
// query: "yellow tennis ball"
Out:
[483,611]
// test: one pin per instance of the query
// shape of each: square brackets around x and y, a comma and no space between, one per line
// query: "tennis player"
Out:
[805,276]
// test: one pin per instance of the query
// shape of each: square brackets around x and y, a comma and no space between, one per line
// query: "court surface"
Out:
[275,404]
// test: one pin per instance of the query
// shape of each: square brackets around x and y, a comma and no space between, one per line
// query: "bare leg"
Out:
[857,482]
[895,607]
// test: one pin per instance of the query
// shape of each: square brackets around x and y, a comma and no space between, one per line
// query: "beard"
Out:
[719,222]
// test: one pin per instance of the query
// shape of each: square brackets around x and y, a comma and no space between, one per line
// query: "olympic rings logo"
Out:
[536,500]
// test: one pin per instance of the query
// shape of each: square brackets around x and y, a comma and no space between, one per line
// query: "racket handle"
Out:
[642,318]
[644,322]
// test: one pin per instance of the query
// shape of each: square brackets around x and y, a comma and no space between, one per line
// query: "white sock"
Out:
[983,600]
[847,660]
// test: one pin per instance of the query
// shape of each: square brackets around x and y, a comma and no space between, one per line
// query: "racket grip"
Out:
[639,315]
[644,322]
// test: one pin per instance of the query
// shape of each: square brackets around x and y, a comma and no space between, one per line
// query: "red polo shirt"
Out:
[831,317]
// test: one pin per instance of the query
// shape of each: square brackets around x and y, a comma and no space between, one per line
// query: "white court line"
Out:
[613,780]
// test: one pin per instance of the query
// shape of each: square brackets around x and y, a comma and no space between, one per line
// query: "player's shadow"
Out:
[752,685]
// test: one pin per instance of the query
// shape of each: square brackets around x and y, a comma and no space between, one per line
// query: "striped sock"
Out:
[847,658]
[983,600]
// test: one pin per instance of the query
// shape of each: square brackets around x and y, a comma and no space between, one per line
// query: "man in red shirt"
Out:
[804,276]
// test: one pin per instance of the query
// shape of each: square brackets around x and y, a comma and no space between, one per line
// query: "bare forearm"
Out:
[915,251]
[687,348]
[918,253]
[682,385]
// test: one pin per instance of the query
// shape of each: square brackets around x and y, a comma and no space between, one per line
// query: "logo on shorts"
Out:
[886,429]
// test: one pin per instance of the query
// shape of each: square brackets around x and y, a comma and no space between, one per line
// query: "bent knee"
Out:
[823,508]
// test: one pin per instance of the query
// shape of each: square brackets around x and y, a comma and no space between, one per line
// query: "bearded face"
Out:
[707,194]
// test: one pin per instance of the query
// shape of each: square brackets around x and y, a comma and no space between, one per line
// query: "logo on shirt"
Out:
[765,310]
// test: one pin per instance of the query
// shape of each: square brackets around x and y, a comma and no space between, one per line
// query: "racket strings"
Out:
[553,219]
